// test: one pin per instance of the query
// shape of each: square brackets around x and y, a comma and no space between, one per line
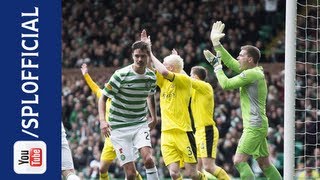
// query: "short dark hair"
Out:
[140,45]
[253,52]
[200,71]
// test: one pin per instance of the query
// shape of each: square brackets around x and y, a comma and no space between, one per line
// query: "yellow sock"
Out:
[104,176]
[221,174]
[208,175]
[201,176]
[180,178]
[138,176]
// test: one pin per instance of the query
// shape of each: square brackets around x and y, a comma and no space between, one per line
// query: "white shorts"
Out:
[128,140]
[66,157]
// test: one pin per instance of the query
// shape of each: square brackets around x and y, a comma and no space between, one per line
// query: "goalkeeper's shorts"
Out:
[253,142]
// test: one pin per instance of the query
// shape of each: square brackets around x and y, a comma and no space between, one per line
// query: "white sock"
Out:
[152,173]
[72,177]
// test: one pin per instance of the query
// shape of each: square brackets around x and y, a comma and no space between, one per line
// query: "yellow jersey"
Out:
[97,91]
[202,103]
[174,101]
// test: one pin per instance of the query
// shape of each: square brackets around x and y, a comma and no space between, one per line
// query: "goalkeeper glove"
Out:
[215,61]
[216,33]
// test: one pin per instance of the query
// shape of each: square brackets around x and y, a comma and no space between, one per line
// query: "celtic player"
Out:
[108,153]
[128,127]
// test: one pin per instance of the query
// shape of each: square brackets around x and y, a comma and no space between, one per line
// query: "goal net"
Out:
[305,79]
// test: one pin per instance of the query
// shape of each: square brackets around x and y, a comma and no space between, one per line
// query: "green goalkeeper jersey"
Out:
[253,90]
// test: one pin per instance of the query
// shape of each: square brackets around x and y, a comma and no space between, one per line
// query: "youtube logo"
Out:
[30,157]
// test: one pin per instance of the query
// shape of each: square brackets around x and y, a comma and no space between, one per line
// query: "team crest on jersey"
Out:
[122,157]
[148,85]
[108,86]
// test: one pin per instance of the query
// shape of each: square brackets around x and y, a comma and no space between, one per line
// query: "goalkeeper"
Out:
[251,81]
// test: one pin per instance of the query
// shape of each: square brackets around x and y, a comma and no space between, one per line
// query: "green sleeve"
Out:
[228,60]
[240,80]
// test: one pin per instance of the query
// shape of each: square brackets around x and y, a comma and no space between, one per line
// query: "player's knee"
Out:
[174,174]
[104,166]
[194,175]
[236,161]
[148,162]
[102,170]
[209,169]
[131,176]
[264,162]
[131,173]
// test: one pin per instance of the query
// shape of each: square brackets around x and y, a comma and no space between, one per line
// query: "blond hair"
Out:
[175,61]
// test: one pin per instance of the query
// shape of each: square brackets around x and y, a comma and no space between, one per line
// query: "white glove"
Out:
[216,33]
[215,61]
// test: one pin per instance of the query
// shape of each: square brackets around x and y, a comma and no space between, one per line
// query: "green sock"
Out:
[271,172]
[245,171]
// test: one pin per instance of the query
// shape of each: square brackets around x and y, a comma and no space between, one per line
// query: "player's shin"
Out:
[152,173]
[272,173]
[245,171]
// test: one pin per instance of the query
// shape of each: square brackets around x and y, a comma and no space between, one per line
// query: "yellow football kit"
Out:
[177,139]
[202,106]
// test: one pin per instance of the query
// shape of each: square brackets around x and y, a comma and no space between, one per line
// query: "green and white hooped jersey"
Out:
[128,91]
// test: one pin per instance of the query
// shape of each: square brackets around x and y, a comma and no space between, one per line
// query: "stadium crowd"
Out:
[100,33]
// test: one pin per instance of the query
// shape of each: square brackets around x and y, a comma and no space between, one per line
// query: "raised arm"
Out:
[216,33]
[93,86]
[215,36]
[157,64]
[228,83]
[227,59]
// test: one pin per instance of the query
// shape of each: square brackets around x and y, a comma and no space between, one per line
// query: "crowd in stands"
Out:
[100,34]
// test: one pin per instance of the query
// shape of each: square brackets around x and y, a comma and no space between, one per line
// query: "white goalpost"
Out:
[289,98]
[302,90]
